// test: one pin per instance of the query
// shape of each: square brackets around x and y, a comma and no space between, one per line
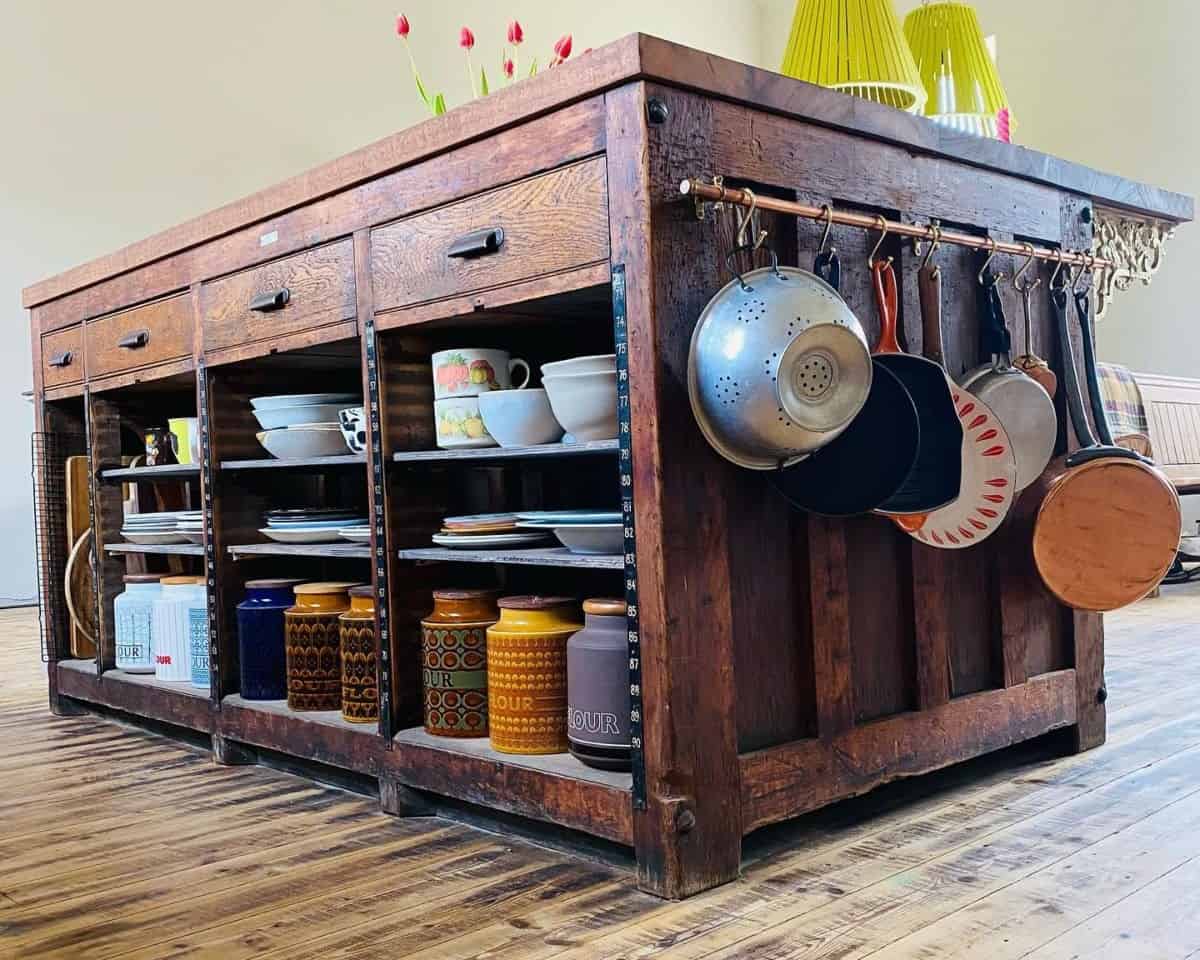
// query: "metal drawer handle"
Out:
[271,300]
[477,244]
[135,340]
[62,359]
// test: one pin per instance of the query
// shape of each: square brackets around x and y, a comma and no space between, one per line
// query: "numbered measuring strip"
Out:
[625,461]
[210,545]
[380,534]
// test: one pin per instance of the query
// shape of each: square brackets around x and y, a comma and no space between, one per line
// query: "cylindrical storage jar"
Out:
[454,662]
[261,649]
[360,682]
[198,659]
[133,612]
[172,643]
[598,687]
[527,674]
[313,636]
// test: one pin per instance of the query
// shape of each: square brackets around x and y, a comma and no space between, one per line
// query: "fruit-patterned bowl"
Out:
[459,424]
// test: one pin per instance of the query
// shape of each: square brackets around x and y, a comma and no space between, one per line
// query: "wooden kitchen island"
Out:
[780,661]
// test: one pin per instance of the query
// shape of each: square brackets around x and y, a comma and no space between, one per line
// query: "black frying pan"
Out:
[869,461]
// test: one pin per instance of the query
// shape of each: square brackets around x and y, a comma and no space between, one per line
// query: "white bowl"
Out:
[295,443]
[298,416]
[303,535]
[585,403]
[593,538]
[599,363]
[519,418]
[303,400]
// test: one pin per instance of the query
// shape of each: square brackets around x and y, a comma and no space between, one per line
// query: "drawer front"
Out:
[550,223]
[309,290]
[62,357]
[146,335]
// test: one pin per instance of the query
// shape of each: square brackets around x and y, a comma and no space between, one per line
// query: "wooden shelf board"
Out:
[537,557]
[339,551]
[140,694]
[170,471]
[329,718]
[181,549]
[322,736]
[183,688]
[507,453]
[299,463]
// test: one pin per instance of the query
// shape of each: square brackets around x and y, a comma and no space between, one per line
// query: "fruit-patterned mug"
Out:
[468,372]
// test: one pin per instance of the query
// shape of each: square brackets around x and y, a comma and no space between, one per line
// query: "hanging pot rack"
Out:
[717,192]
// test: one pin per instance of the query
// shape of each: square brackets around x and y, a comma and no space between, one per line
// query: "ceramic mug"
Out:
[469,372]
[160,447]
[354,428]
[460,424]
[185,438]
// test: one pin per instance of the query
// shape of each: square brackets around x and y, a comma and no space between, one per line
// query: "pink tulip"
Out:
[402,27]
[466,39]
[515,33]
[562,49]
[509,68]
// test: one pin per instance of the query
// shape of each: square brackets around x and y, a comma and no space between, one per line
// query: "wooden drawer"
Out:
[302,292]
[62,357]
[550,223]
[146,335]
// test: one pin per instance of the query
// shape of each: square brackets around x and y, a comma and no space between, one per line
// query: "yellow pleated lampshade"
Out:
[855,46]
[959,75]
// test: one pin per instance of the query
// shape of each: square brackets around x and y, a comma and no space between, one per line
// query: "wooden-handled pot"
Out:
[1108,526]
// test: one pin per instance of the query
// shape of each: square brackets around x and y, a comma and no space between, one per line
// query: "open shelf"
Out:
[169,471]
[180,549]
[183,688]
[540,557]
[299,463]
[280,708]
[508,453]
[346,551]
[141,694]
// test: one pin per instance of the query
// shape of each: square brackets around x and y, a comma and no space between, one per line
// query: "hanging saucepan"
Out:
[989,467]
[937,474]
[869,460]
[1021,403]
[778,367]
[1108,526]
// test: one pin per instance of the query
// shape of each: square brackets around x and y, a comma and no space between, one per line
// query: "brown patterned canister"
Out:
[313,637]
[454,662]
[527,674]
[360,682]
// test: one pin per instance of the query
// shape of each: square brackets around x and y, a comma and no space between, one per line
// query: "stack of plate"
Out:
[487,531]
[597,532]
[154,529]
[312,525]
[302,425]
[191,526]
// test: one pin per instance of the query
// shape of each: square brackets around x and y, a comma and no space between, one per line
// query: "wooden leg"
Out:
[401,801]
[1090,691]
[230,753]
[66,707]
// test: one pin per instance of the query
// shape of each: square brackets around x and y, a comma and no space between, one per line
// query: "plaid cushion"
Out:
[1123,407]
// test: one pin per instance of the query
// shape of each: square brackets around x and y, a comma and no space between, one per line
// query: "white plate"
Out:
[606,539]
[194,537]
[484,541]
[318,524]
[298,443]
[356,534]
[563,517]
[153,539]
[302,399]
[300,536]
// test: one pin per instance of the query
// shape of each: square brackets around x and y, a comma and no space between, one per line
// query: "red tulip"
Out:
[515,33]
[562,49]
[509,68]
[466,39]
[402,26]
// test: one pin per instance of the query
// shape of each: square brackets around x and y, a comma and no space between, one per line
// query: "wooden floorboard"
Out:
[118,843]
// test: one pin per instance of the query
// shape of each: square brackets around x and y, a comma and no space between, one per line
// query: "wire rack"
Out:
[50,452]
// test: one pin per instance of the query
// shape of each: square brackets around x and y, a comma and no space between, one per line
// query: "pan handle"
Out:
[1089,366]
[885,298]
[828,267]
[1083,432]
[929,285]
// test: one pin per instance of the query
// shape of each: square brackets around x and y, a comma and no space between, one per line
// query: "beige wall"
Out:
[127,116]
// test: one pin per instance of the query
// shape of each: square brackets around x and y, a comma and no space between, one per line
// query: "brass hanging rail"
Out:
[719,193]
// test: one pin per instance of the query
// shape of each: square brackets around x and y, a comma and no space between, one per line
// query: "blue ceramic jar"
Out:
[261,647]
[198,640]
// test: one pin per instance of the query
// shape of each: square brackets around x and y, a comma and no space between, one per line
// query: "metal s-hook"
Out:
[934,243]
[744,223]
[883,232]
[1058,265]
[1020,286]
[827,216]
[991,246]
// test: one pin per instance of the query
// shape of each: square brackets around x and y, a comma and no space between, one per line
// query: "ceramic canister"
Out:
[198,641]
[454,662]
[360,682]
[527,674]
[598,687]
[172,642]
[133,612]
[261,648]
[313,637]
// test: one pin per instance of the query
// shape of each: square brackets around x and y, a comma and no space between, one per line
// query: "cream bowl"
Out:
[295,443]
[585,403]
[599,363]
[519,418]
